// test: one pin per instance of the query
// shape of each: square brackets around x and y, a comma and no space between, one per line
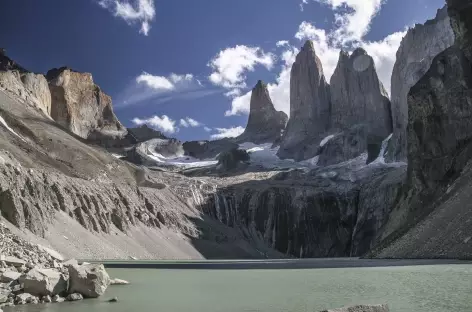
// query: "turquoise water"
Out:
[437,288]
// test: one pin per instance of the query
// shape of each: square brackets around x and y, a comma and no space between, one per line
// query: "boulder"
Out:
[309,107]
[46,299]
[358,96]
[362,308]
[90,280]
[265,124]
[10,260]
[74,297]
[9,276]
[117,281]
[58,299]
[79,105]
[44,282]
[414,57]
[26,298]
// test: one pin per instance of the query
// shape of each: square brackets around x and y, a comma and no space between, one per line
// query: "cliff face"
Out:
[414,57]
[28,87]
[439,156]
[265,124]
[80,105]
[309,107]
[358,96]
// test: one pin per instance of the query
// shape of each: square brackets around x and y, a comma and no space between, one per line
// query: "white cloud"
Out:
[240,105]
[227,132]
[165,83]
[230,65]
[233,93]
[207,129]
[189,122]
[132,11]
[163,123]
[281,43]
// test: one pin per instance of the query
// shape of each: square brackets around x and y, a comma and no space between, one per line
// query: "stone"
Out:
[90,280]
[79,105]
[414,57]
[46,299]
[58,299]
[117,281]
[358,96]
[25,298]
[265,124]
[362,308]
[74,297]
[114,299]
[9,276]
[44,282]
[10,260]
[309,107]
[70,262]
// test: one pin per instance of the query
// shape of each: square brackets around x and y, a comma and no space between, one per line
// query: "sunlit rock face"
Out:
[358,96]
[414,57]
[309,107]
[265,124]
[79,105]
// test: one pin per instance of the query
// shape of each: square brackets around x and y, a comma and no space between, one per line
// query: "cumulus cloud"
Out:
[227,132]
[166,83]
[132,11]
[163,123]
[207,129]
[189,122]
[282,43]
[240,105]
[230,65]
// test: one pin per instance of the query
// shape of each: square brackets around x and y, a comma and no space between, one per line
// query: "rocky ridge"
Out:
[414,57]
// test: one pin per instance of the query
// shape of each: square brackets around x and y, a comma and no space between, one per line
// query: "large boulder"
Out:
[265,124]
[89,280]
[9,276]
[44,282]
[232,159]
[79,105]
[309,107]
[414,57]
[358,96]
[362,308]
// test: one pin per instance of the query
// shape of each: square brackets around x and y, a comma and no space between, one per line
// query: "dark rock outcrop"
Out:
[358,96]
[79,105]
[309,107]
[414,57]
[265,124]
[232,159]
[208,149]
[329,212]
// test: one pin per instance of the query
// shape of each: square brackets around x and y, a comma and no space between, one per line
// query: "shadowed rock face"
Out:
[309,107]
[79,105]
[460,12]
[414,57]
[358,96]
[265,124]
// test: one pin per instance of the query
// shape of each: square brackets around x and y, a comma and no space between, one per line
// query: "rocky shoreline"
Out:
[32,274]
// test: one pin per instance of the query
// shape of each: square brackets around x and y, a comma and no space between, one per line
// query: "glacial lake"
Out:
[427,288]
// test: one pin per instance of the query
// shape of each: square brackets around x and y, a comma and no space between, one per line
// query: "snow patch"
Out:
[381,157]
[117,156]
[326,140]
[4,123]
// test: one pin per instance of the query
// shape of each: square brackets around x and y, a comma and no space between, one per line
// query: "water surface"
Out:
[431,288]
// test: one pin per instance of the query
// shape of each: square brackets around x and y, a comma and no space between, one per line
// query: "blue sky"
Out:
[174,64]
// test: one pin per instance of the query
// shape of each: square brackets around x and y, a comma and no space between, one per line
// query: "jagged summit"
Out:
[265,123]
[357,95]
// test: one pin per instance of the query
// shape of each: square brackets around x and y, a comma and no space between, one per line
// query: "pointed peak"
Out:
[308,46]
[260,84]
[358,52]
